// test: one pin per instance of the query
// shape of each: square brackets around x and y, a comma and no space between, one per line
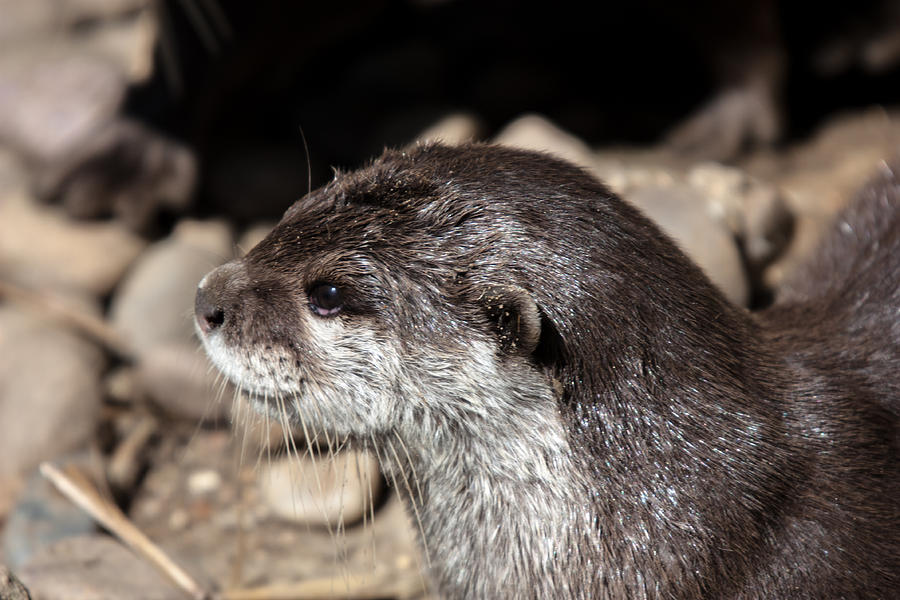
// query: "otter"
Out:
[570,407]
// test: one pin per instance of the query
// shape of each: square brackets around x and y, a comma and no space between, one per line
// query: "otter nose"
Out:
[208,314]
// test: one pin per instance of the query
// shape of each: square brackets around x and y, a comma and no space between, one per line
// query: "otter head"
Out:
[395,299]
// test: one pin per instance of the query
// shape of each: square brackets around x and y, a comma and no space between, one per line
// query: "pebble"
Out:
[454,129]
[125,170]
[534,132]
[49,388]
[41,247]
[820,176]
[154,303]
[755,212]
[10,586]
[153,311]
[179,378]
[54,97]
[323,491]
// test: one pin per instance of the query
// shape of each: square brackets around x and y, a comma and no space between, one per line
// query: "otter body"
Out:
[570,408]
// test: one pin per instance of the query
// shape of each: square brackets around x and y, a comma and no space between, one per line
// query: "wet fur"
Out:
[568,405]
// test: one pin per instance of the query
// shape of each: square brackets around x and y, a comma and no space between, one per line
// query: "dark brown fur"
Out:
[710,452]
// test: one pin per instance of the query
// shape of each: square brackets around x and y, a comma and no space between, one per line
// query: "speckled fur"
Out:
[570,407]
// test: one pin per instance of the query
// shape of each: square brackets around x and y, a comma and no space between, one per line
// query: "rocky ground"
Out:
[101,375]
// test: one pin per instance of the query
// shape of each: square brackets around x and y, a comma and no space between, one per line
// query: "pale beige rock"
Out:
[13,174]
[128,43]
[322,490]
[755,212]
[533,132]
[40,247]
[453,129]
[820,176]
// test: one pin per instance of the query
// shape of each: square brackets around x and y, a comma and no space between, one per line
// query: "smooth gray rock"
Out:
[154,304]
[50,394]
[42,516]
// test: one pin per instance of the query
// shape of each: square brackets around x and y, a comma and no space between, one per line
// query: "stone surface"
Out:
[181,380]
[94,568]
[40,247]
[755,212]
[10,586]
[202,501]
[54,98]
[42,516]
[125,170]
[533,132]
[320,490]
[452,130]
[154,304]
[153,312]
[820,176]
[50,393]
[13,175]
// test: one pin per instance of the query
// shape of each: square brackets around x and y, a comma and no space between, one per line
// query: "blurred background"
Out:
[143,142]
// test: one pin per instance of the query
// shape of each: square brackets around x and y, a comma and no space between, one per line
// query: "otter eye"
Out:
[326,299]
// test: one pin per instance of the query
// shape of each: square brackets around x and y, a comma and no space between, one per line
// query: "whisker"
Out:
[412,501]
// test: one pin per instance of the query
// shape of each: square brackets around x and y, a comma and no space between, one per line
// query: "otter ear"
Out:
[516,318]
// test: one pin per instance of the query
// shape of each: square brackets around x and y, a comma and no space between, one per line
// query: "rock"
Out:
[94,568]
[50,393]
[122,30]
[533,132]
[13,175]
[181,380]
[42,516]
[820,176]
[126,37]
[453,129]
[202,501]
[755,212]
[54,98]
[10,587]
[27,20]
[735,117]
[154,303]
[153,312]
[61,96]
[323,491]
[124,170]
[39,247]
[681,211]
